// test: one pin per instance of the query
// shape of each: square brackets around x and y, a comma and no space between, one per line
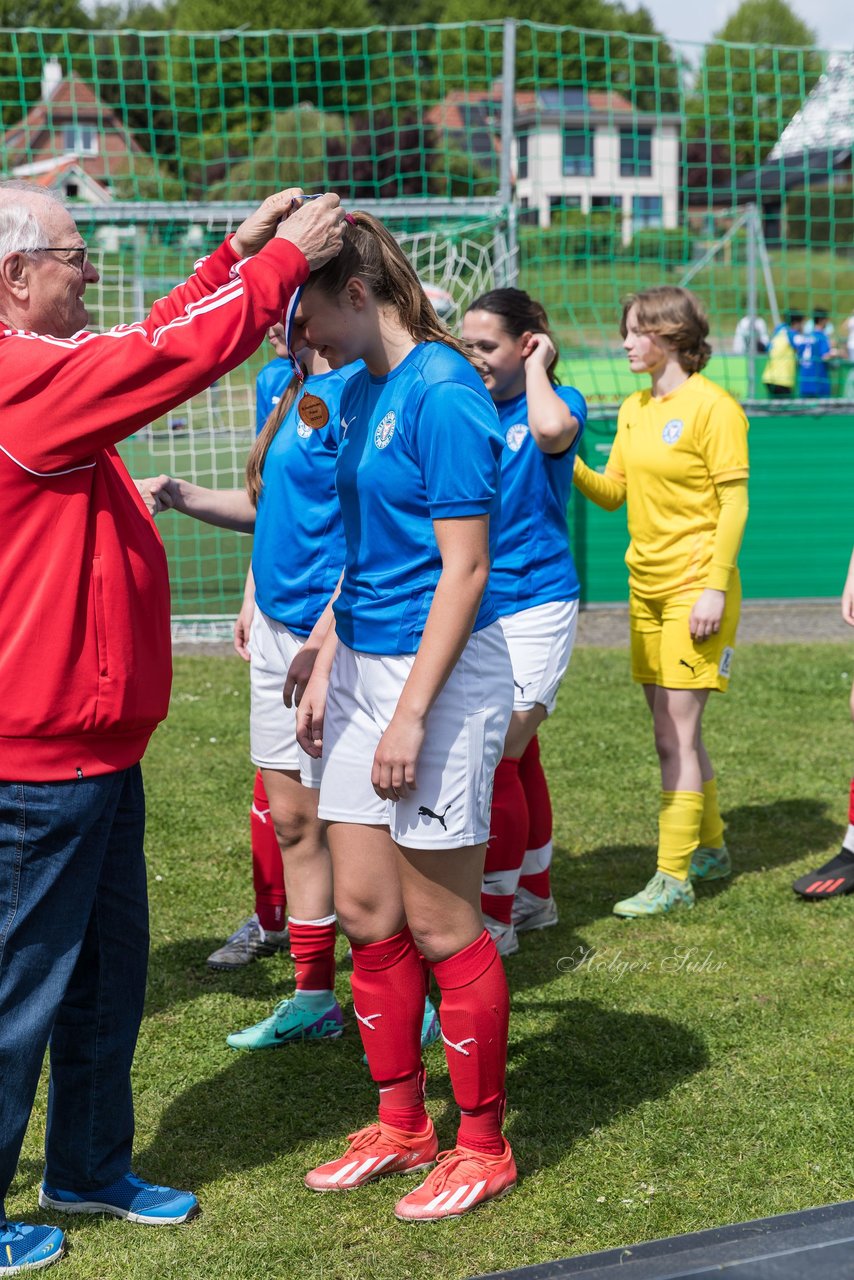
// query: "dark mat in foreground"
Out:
[817,1244]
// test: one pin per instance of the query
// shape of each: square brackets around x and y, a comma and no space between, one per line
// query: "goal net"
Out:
[207,439]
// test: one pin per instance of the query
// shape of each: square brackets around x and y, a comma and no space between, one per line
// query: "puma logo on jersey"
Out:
[368,1020]
[345,424]
[521,687]
[424,812]
[460,1048]
[693,669]
[263,814]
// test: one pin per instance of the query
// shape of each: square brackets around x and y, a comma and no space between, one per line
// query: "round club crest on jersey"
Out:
[515,435]
[672,430]
[304,431]
[385,430]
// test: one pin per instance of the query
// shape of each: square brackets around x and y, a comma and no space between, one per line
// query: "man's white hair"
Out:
[21,228]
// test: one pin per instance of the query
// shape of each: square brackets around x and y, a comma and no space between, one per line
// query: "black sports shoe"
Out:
[830,881]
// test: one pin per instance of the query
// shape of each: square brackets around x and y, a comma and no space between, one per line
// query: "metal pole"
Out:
[766,271]
[508,120]
[752,301]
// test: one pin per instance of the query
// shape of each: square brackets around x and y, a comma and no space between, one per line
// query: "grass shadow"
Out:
[595,1064]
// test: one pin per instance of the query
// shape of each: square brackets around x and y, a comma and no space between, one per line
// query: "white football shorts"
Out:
[450,807]
[272,725]
[540,641]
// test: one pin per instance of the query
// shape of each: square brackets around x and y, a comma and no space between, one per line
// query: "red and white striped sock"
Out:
[313,952]
[536,865]
[508,830]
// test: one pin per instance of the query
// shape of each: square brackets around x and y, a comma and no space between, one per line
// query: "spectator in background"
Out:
[809,325]
[814,351]
[781,371]
[741,337]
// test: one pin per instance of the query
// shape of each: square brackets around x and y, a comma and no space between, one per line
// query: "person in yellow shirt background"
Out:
[781,370]
[679,461]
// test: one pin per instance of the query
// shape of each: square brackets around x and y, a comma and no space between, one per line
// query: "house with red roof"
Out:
[70,141]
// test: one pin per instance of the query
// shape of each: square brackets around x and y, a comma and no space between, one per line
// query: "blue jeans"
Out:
[73,960]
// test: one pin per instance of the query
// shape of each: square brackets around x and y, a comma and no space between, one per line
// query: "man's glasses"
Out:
[79,256]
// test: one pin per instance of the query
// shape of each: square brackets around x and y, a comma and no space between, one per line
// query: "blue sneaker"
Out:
[662,894]
[26,1248]
[430,1029]
[128,1197]
[710,864]
[289,1022]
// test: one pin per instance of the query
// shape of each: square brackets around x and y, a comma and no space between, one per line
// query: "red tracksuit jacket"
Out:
[85,652]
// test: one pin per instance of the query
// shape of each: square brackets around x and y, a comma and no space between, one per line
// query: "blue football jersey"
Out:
[269,385]
[420,444]
[299,541]
[814,371]
[533,563]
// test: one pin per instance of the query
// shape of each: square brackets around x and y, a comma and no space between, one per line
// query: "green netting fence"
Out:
[582,164]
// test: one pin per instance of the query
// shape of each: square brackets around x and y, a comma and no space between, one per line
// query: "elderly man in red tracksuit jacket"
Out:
[85,671]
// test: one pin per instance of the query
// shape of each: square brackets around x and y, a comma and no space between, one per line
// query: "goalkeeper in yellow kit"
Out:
[679,460]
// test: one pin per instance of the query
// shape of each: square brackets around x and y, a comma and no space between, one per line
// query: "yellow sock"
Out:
[678,831]
[712,826]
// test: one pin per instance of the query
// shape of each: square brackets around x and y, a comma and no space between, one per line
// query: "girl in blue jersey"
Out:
[535,587]
[290,502]
[409,701]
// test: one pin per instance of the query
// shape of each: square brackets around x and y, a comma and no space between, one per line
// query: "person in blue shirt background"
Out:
[273,378]
[814,351]
[535,587]
[409,704]
[264,932]
[290,503]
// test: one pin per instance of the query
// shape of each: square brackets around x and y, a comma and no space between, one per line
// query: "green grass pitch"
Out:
[696,1072]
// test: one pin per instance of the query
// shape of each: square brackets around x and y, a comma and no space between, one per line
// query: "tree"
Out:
[745,96]
[23,52]
[385,155]
[608,47]
[290,153]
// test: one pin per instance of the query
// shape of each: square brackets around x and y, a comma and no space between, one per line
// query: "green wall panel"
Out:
[801,525]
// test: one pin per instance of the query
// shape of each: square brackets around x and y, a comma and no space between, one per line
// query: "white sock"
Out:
[313,1001]
[848,842]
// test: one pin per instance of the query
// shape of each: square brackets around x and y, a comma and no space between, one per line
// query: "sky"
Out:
[832,20]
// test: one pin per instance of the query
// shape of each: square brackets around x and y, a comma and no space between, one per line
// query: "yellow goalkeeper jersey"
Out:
[670,453]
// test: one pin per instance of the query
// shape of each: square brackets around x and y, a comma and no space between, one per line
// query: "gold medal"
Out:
[313,411]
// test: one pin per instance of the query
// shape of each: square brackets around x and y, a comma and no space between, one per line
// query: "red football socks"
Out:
[313,952]
[508,831]
[267,873]
[388,1000]
[474,1014]
[536,873]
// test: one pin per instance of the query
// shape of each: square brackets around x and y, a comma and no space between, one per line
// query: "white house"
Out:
[576,149]
[587,150]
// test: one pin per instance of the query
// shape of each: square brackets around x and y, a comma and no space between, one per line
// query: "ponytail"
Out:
[265,437]
[371,252]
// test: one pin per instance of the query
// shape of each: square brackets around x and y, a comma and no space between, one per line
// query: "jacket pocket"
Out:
[100,618]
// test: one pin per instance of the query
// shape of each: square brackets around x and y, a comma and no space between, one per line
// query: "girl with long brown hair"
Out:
[409,703]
